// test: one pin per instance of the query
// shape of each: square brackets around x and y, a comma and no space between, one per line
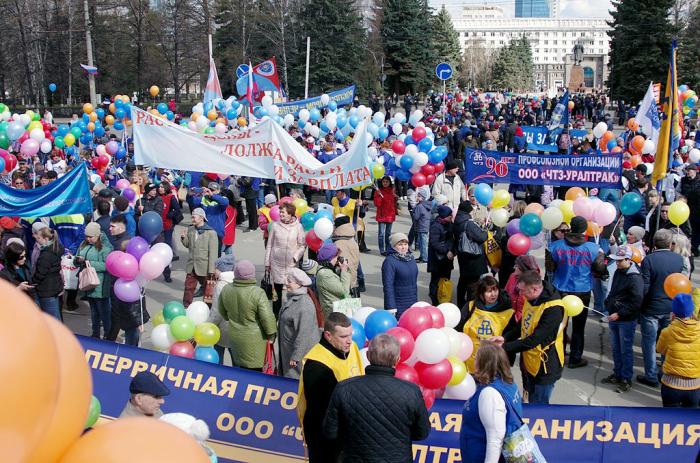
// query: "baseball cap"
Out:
[623,252]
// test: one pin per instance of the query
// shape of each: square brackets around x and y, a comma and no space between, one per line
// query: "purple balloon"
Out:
[137,247]
[127,290]
[129,194]
[537,241]
[125,266]
[513,227]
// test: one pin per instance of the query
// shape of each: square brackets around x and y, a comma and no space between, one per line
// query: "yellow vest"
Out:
[532,359]
[342,369]
[484,325]
[348,209]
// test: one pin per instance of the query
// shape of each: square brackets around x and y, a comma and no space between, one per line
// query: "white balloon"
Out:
[100,150]
[369,138]
[415,168]
[649,147]
[451,313]
[323,228]
[453,338]
[551,218]
[304,115]
[198,312]
[164,252]
[397,128]
[411,151]
[267,101]
[420,159]
[499,217]
[315,131]
[202,122]
[694,155]
[361,110]
[25,119]
[192,125]
[325,99]
[432,346]
[220,128]
[46,146]
[397,160]
[421,304]
[556,203]
[288,120]
[463,391]
[331,122]
[378,118]
[600,129]
[372,152]
[363,353]
[37,134]
[362,313]
[162,338]
[273,110]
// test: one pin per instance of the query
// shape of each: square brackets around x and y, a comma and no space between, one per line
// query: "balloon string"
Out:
[594,310]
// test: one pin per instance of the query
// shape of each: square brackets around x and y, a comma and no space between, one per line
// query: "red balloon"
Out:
[407,373]
[418,133]
[518,244]
[434,376]
[429,179]
[313,241]
[439,392]
[439,167]
[418,180]
[416,320]
[95,163]
[405,339]
[103,160]
[10,162]
[428,397]
[437,316]
[427,169]
[47,133]
[23,137]
[182,349]
[398,147]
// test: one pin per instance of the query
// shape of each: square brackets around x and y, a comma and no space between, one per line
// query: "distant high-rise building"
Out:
[532,9]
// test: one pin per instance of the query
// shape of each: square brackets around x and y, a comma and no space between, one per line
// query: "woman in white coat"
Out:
[449,184]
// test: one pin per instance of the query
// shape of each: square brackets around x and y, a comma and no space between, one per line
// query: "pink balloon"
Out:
[604,214]
[406,341]
[112,257]
[466,347]
[112,147]
[30,147]
[151,265]
[127,290]
[122,183]
[437,316]
[182,349]
[583,207]
[125,266]
[416,320]
[286,199]
[275,213]
[518,244]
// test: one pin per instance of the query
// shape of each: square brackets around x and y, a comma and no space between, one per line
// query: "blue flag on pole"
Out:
[560,115]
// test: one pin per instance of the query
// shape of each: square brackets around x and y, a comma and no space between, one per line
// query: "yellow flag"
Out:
[670,135]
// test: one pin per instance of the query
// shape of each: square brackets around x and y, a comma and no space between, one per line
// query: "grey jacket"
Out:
[203,245]
[298,331]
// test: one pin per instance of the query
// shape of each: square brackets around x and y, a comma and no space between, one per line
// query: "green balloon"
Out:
[182,328]
[209,130]
[59,143]
[36,117]
[3,108]
[94,412]
[173,309]
[3,126]
[76,132]
[4,141]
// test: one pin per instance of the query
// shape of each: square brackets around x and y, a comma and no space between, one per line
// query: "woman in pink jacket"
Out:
[285,247]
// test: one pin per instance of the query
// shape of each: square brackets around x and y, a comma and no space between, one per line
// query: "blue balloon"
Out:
[63,130]
[323,126]
[99,131]
[483,193]
[403,175]
[208,107]
[332,105]
[314,115]
[170,115]
[120,113]
[358,333]
[150,225]
[118,125]
[162,108]
[235,104]
[263,112]
[406,162]
[425,145]
[2,164]
[379,322]
[220,104]
[118,104]
[206,354]
[86,117]
[121,153]
[354,121]
[382,133]
[326,214]
[409,140]
[611,144]
[530,224]
[231,114]
[307,220]
[100,113]
[301,124]
[339,136]
[631,203]
[440,153]
[52,88]
[340,121]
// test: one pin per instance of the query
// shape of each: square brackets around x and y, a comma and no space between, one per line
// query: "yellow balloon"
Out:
[154,90]
[459,371]
[158,319]
[678,213]
[109,119]
[501,198]
[87,108]
[69,139]
[567,210]
[125,98]
[35,125]
[573,305]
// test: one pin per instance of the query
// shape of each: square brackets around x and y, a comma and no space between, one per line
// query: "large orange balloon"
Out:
[242,122]
[574,193]
[636,255]
[593,229]
[148,439]
[677,283]
[87,108]
[30,372]
[154,90]
[637,144]
[534,208]
[632,124]
[74,395]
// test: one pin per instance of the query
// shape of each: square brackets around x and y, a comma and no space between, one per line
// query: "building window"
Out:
[588,77]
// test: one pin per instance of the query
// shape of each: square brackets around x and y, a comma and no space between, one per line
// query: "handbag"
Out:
[468,246]
[88,278]
[347,306]
[444,292]
[182,193]
[266,284]
[520,446]
[209,287]
[269,365]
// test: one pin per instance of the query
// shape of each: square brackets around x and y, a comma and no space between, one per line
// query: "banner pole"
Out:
[306,81]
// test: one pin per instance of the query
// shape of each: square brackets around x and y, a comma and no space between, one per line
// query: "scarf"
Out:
[287,220]
[343,202]
[408,257]
[297,292]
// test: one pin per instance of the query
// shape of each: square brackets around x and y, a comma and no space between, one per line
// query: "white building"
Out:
[552,41]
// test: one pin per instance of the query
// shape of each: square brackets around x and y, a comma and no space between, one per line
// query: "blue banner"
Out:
[68,195]
[252,416]
[539,138]
[342,97]
[585,171]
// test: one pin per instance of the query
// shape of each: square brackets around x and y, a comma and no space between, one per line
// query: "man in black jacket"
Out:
[690,188]
[376,417]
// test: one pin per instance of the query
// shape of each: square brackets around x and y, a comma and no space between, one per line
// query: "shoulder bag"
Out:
[520,446]
[468,246]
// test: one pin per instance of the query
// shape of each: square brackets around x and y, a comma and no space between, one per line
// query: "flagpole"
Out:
[211,51]
[306,82]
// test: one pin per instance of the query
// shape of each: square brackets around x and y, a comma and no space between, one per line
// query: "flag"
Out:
[249,97]
[213,88]
[264,77]
[648,116]
[560,115]
[670,134]
[91,70]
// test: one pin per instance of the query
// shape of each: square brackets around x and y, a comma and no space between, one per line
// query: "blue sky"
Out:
[568,8]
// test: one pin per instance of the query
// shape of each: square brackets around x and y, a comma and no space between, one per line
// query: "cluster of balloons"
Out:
[212,117]
[186,332]
[688,99]
[141,262]
[318,225]
[416,157]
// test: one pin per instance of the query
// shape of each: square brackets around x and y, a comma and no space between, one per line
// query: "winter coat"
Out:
[331,287]
[70,230]
[440,242]
[203,250]
[215,316]
[690,188]
[474,266]
[680,343]
[376,417]
[150,204]
[130,221]
[47,273]
[251,321]
[215,208]
[385,202]
[344,239]
[119,242]
[97,258]
[170,208]
[12,276]
[655,268]
[454,191]
[626,293]
[399,281]
[574,257]
[421,217]
[297,330]
[285,247]
[230,225]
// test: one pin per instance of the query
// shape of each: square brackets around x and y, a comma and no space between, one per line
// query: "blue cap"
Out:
[146,382]
[683,306]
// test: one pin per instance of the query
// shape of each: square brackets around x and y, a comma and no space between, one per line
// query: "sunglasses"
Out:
[562,230]
[19,183]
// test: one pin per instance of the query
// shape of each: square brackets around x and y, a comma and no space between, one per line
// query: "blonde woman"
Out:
[680,244]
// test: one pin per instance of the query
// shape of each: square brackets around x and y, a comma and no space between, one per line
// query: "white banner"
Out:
[264,151]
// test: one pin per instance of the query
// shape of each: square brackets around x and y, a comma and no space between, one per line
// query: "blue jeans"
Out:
[221,350]
[622,340]
[101,313]
[599,290]
[422,243]
[651,326]
[536,393]
[50,305]
[260,200]
[132,336]
[384,235]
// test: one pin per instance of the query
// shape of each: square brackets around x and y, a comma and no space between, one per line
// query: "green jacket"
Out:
[245,305]
[202,251]
[97,260]
[331,287]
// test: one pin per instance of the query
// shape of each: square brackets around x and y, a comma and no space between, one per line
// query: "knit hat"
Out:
[244,270]
[327,252]
[451,164]
[309,266]
[93,229]
[270,199]
[423,192]
[214,186]
[299,276]
[518,132]
[397,238]
[38,225]
[225,263]
[682,305]
[638,232]
[340,220]
[444,211]
[579,224]
[149,187]
[199,211]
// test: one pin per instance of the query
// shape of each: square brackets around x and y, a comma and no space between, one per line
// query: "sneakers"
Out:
[168,279]
[624,386]
[580,364]
[612,379]
[646,381]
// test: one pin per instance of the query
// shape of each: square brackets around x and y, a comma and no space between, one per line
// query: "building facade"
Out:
[532,9]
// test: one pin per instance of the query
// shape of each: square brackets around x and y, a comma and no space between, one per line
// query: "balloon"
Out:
[416,320]
[459,371]
[567,210]
[631,203]
[127,290]
[123,265]
[206,354]
[312,241]
[407,373]
[151,266]
[530,224]
[499,217]
[30,147]
[182,328]
[93,412]
[583,207]
[434,375]
[637,144]
[637,255]
[198,312]
[501,198]
[307,220]
[466,347]
[182,349]
[600,129]
[573,305]
[551,218]
[162,338]
[164,253]
[154,90]
[518,244]
[418,180]
[275,213]
[358,333]
[52,87]
[378,171]
[604,214]
[437,316]
[378,322]
[483,193]
[362,313]
[678,213]
[172,310]
[418,133]
[398,147]
[534,208]
[129,194]
[463,391]
[574,193]
[677,283]
[207,334]
[137,247]
[150,225]
[432,346]
[406,341]
[323,228]
[428,397]
[513,227]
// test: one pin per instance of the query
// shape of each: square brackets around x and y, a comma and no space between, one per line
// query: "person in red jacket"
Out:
[171,214]
[385,200]
[229,222]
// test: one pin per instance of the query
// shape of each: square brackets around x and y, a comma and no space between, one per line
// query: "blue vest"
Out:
[472,436]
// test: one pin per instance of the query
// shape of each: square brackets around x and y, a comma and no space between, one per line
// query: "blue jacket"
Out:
[655,268]
[573,257]
[421,216]
[215,209]
[70,230]
[399,279]
[130,220]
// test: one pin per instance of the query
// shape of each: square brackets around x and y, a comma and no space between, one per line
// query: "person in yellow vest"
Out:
[264,219]
[343,204]
[541,343]
[329,362]
[489,314]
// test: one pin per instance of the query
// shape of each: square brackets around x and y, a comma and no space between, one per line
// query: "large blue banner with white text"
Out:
[585,171]
[68,195]
[342,97]
[540,138]
[252,416]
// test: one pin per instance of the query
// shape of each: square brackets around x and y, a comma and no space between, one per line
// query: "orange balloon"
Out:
[607,136]
[93,116]
[220,120]
[242,122]
[30,390]
[125,98]
[117,97]
[574,193]
[635,160]
[632,124]
[74,395]
[194,117]
[593,229]
[87,108]
[636,255]
[151,439]
[571,105]
[109,119]
[91,126]
[154,90]
[212,115]
[128,122]
[112,108]
[617,149]
[534,208]
[677,283]
[637,144]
